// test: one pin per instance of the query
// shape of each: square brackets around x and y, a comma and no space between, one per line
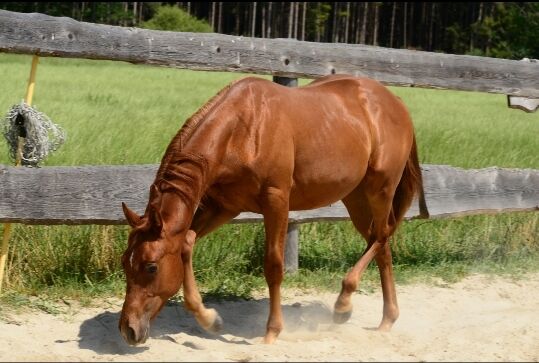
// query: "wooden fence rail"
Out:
[93,194]
[64,37]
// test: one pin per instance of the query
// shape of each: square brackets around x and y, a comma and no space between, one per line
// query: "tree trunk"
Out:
[220,18]
[212,16]
[347,24]
[290,19]
[479,19]
[237,22]
[84,4]
[246,28]
[363,34]
[422,37]
[296,18]
[489,39]
[189,7]
[253,22]
[405,26]
[431,25]
[411,35]
[263,21]
[124,15]
[317,25]
[268,33]
[335,37]
[304,14]
[375,31]
[392,30]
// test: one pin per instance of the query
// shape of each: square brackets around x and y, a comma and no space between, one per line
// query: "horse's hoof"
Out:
[385,327]
[217,325]
[211,321]
[270,337]
[341,317]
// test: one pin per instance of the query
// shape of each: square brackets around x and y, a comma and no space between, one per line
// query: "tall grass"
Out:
[117,113]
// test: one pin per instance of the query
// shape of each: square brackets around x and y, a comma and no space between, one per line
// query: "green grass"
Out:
[118,113]
[113,112]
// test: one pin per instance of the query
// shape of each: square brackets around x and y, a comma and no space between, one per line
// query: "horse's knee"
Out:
[273,270]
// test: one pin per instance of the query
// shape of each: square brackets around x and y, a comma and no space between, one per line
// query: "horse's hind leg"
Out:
[391,308]
[371,214]
[360,213]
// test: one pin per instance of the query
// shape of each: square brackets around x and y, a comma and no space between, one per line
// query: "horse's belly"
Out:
[304,201]
[325,185]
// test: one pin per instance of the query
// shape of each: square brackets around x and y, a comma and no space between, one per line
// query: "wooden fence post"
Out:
[286,81]
[18,160]
[291,252]
[292,235]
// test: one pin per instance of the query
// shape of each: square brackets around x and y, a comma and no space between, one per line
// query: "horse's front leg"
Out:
[208,319]
[275,211]
[204,222]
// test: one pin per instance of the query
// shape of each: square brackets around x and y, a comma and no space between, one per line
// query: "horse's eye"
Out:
[151,267]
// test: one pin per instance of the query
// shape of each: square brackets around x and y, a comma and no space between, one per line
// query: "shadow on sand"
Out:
[242,320]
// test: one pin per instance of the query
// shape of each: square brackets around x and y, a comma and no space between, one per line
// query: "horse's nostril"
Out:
[131,336]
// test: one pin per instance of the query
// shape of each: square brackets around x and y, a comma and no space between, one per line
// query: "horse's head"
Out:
[152,264]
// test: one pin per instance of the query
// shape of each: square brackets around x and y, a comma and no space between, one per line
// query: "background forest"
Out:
[494,29]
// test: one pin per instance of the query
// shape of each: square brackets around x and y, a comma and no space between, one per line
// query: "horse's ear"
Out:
[133,218]
[155,203]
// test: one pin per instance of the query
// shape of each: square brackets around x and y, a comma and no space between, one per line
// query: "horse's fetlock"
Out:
[391,313]
[348,286]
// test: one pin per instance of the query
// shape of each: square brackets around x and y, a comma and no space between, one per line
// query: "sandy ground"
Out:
[478,319]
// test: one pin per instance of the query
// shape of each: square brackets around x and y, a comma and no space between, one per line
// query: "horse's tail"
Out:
[411,183]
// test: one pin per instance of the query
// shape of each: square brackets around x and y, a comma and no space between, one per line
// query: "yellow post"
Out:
[18,158]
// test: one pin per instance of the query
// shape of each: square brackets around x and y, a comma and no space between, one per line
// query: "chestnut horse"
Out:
[261,147]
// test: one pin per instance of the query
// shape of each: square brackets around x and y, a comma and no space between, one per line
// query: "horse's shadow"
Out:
[242,319]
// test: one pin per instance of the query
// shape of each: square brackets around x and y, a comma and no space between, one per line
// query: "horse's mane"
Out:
[174,149]
[174,173]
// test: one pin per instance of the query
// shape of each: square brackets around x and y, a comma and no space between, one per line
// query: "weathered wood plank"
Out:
[524,103]
[65,37]
[93,194]
[73,195]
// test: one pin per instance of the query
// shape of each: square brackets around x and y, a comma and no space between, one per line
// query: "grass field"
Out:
[117,113]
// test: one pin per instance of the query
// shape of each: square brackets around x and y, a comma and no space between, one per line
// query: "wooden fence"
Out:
[64,37]
[93,194]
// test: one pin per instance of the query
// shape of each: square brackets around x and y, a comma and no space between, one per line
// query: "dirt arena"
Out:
[480,318]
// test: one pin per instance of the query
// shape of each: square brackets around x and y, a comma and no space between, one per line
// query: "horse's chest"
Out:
[234,197]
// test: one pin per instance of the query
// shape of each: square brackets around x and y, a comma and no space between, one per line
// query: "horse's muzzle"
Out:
[135,334]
